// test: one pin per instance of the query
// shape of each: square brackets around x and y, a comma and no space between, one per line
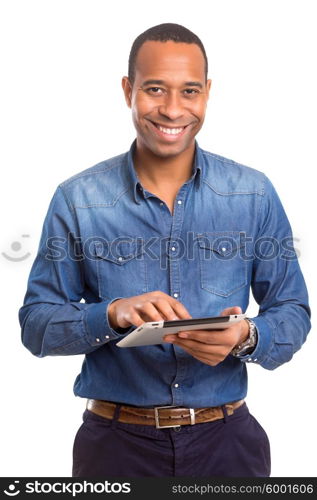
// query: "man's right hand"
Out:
[152,306]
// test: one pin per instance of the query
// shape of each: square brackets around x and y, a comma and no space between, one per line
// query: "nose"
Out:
[171,107]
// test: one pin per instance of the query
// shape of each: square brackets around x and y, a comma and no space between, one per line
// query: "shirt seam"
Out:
[230,193]
[126,189]
[91,171]
[76,224]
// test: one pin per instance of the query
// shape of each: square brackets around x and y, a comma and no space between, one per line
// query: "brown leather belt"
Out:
[161,416]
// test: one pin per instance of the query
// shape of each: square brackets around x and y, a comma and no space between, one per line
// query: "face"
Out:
[169,96]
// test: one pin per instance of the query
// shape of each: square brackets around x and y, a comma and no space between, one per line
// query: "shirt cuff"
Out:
[264,334]
[98,329]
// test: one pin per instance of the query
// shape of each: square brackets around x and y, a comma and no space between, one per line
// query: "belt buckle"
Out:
[157,418]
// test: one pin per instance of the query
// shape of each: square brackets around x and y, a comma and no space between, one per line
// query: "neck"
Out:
[154,170]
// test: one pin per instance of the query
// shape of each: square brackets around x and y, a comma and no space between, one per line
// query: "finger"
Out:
[199,347]
[208,361]
[231,310]
[211,359]
[177,306]
[129,317]
[180,309]
[212,337]
[166,310]
[148,312]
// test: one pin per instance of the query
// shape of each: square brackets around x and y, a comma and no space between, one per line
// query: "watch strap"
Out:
[249,344]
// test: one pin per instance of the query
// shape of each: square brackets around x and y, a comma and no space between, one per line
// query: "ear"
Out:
[208,86]
[127,90]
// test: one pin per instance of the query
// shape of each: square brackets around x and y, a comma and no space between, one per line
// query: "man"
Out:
[166,231]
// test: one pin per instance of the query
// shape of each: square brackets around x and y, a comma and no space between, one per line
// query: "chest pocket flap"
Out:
[119,251]
[120,268]
[223,270]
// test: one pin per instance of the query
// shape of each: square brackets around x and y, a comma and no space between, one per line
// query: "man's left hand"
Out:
[212,346]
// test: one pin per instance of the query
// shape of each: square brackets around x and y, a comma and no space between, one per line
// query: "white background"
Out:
[62,110]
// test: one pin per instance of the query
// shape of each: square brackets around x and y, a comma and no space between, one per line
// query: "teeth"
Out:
[170,131]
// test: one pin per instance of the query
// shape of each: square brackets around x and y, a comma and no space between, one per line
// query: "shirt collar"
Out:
[135,181]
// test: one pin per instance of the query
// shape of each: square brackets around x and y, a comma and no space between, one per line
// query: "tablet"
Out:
[152,333]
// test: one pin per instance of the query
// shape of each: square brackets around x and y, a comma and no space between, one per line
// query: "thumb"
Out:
[231,310]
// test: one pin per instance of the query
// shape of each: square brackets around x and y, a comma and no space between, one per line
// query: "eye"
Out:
[191,92]
[157,91]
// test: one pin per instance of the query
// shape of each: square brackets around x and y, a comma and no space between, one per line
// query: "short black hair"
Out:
[163,33]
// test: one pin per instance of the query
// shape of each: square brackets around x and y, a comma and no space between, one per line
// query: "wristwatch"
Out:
[249,344]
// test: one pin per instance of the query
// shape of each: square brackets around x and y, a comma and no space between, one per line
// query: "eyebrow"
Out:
[161,82]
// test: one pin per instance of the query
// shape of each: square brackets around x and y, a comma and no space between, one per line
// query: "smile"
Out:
[169,132]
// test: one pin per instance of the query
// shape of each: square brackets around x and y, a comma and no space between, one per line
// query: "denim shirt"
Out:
[106,237]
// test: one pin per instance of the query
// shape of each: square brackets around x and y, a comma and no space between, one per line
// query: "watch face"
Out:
[243,351]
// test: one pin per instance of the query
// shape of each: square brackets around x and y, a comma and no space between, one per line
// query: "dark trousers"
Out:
[235,446]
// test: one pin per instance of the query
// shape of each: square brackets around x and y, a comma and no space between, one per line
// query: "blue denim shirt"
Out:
[106,237]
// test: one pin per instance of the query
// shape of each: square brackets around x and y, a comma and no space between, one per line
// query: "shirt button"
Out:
[255,359]
[176,385]
[97,339]
[161,203]
[120,258]
[107,337]
[250,359]
[223,249]
[175,294]
[179,202]
[173,248]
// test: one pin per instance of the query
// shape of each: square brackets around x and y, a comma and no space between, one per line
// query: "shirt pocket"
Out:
[120,269]
[223,270]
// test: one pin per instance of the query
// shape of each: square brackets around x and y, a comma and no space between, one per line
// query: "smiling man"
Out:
[168,110]
[166,231]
